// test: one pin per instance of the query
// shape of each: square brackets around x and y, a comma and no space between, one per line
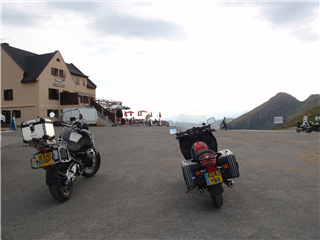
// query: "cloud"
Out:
[16,15]
[124,20]
[129,26]
[87,8]
[297,16]
[301,19]
[283,13]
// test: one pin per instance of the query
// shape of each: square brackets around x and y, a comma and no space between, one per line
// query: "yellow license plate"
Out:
[45,159]
[213,177]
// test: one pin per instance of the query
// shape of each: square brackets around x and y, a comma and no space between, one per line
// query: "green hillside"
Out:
[312,113]
[282,104]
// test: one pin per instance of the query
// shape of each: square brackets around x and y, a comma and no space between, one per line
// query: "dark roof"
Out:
[74,70]
[33,64]
[18,55]
[90,84]
[36,64]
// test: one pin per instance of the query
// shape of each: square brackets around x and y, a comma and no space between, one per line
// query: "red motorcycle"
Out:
[204,166]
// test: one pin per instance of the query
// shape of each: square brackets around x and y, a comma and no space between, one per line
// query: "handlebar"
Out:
[194,131]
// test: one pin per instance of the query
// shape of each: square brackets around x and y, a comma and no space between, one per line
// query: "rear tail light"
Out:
[211,168]
[43,149]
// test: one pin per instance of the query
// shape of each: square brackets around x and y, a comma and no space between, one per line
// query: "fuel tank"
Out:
[77,140]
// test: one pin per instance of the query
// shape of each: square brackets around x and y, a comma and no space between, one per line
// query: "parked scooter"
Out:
[204,166]
[71,155]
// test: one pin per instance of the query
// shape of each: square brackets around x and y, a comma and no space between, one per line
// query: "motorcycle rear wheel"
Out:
[217,200]
[91,171]
[59,190]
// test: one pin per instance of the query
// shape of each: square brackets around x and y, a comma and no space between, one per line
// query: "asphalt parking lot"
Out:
[139,191]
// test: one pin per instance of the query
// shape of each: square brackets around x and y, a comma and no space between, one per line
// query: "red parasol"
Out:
[130,113]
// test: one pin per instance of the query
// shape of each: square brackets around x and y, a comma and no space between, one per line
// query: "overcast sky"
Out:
[176,56]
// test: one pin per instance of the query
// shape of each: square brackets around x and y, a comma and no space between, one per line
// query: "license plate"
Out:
[45,159]
[213,177]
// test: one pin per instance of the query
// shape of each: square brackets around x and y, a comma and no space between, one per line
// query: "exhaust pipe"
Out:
[200,191]
[229,183]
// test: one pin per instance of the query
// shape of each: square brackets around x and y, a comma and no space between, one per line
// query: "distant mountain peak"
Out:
[282,104]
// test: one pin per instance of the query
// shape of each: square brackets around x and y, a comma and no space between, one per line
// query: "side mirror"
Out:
[52,115]
[211,120]
[173,131]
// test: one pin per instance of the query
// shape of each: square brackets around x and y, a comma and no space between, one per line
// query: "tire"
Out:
[298,130]
[91,171]
[217,200]
[59,190]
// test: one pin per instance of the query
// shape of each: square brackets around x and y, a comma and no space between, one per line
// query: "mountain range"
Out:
[281,105]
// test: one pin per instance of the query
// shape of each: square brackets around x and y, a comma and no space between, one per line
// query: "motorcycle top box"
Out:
[37,129]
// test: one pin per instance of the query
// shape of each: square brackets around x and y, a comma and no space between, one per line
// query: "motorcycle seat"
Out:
[200,152]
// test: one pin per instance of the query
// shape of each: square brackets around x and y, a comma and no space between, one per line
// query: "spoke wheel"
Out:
[59,190]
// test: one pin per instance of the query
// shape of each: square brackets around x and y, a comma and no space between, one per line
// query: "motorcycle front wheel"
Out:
[91,171]
[59,190]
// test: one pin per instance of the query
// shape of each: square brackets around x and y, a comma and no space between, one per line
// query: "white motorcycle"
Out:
[71,155]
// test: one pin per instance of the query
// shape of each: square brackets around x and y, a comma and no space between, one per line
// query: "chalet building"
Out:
[34,85]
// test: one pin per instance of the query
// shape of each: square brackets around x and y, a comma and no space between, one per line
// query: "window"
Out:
[53,94]
[84,82]
[7,114]
[16,113]
[8,94]
[85,99]
[77,81]
[62,73]
[54,72]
